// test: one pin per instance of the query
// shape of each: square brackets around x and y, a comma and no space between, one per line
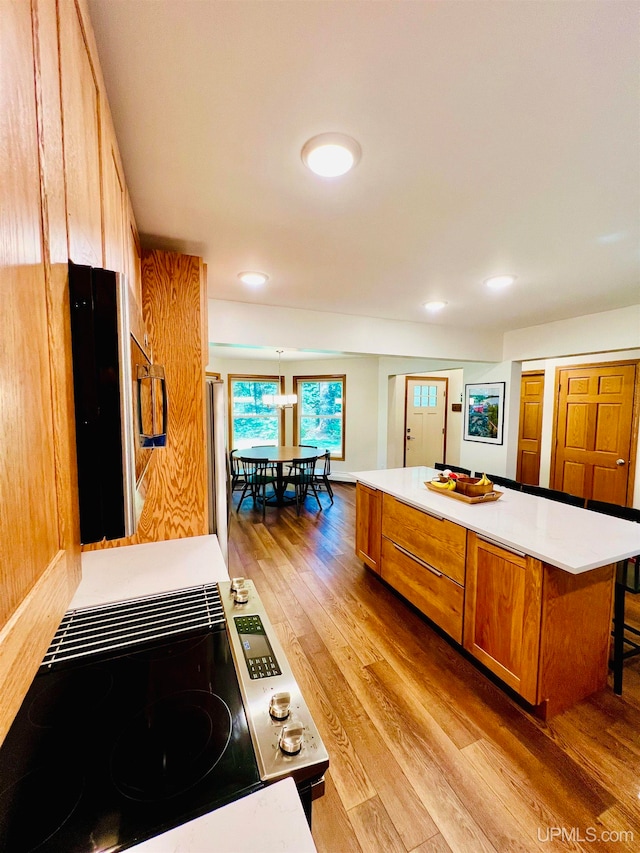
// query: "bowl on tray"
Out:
[472,487]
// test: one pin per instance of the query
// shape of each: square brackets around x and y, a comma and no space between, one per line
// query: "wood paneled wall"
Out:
[39,540]
[64,196]
[175,316]
[175,313]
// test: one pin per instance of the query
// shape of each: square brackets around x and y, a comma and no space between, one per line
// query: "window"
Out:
[425,396]
[320,413]
[250,420]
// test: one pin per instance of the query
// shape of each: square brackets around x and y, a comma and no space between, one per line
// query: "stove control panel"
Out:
[258,654]
[285,738]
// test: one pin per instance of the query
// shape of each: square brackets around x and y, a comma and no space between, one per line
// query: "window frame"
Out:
[325,377]
[253,377]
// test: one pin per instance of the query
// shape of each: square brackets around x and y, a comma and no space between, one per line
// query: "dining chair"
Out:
[321,474]
[499,480]
[301,477]
[236,471]
[258,474]
[627,580]
[553,495]
[443,466]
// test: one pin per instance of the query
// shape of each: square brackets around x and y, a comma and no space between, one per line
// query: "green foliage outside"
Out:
[320,421]
[321,415]
[254,421]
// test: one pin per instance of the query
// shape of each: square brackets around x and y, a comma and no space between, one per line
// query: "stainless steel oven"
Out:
[148,713]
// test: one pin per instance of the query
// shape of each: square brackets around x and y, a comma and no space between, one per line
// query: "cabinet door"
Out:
[502,614]
[368,525]
[115,236]
[82,142]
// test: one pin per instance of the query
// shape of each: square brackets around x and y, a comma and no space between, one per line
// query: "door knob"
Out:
[620,461]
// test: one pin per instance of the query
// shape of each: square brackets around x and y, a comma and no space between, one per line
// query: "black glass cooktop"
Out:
[107,752]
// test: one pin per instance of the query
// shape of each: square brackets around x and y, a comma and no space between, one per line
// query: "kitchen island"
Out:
[523,583]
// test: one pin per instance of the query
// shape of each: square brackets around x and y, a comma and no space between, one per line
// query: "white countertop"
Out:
[571,538]
[269,821]
[133,571]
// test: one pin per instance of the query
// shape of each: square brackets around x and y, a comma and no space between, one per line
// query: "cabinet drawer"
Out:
[439,542]
[435,595]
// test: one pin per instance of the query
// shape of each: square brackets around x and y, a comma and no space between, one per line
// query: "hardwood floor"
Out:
[427,754]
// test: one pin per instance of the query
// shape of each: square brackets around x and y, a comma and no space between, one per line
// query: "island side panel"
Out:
[575,636]
[368,526]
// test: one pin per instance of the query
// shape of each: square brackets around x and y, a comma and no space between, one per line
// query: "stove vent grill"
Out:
[108,627]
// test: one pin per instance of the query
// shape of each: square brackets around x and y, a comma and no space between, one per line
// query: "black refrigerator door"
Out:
[96,378]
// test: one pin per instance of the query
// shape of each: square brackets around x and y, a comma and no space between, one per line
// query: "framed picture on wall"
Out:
[484,412]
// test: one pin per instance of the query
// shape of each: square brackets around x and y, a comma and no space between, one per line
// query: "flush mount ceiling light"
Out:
[498,282]
[255,278]
[434,306]
[330,154]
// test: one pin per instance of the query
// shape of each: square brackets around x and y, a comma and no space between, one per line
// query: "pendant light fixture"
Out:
[280,401]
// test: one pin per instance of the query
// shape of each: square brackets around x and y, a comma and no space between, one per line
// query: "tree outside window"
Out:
[252,421]
[320,417]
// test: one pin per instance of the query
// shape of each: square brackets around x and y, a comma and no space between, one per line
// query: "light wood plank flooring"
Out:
[428,754]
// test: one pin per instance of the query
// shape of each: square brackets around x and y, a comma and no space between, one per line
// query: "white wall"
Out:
[270,326]
[361,401]
[496,458]
[594,333]
[395,348]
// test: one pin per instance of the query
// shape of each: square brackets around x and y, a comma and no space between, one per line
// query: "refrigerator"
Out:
[218,475]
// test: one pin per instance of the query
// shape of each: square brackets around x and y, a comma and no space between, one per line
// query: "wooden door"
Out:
[425,418]
[530,429]
[368,525]
[593,455]
[503,606]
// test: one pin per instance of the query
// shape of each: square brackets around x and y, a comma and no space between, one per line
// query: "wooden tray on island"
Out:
[495,495]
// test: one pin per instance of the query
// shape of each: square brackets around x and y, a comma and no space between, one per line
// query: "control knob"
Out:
[280,705]
[236,583]
[291,738]
[241,595]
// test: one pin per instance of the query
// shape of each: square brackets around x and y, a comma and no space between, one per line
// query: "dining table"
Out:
[278,456]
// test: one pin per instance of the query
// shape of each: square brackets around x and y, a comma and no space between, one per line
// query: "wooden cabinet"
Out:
[431,591]
[39,538]
[81,99]
[423,558]
[368,525]
[503,612]
[429,537]
[63,197]
[542,631]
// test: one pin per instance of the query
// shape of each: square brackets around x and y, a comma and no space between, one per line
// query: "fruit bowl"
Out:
[472,487]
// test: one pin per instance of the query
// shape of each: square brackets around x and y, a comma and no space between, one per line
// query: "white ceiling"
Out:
[497,137]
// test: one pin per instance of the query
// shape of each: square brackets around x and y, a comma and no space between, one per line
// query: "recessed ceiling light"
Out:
[255,278]
[500,281]
[330,154]
[434,306]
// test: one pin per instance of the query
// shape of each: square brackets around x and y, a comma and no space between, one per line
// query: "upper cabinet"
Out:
[82,138]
